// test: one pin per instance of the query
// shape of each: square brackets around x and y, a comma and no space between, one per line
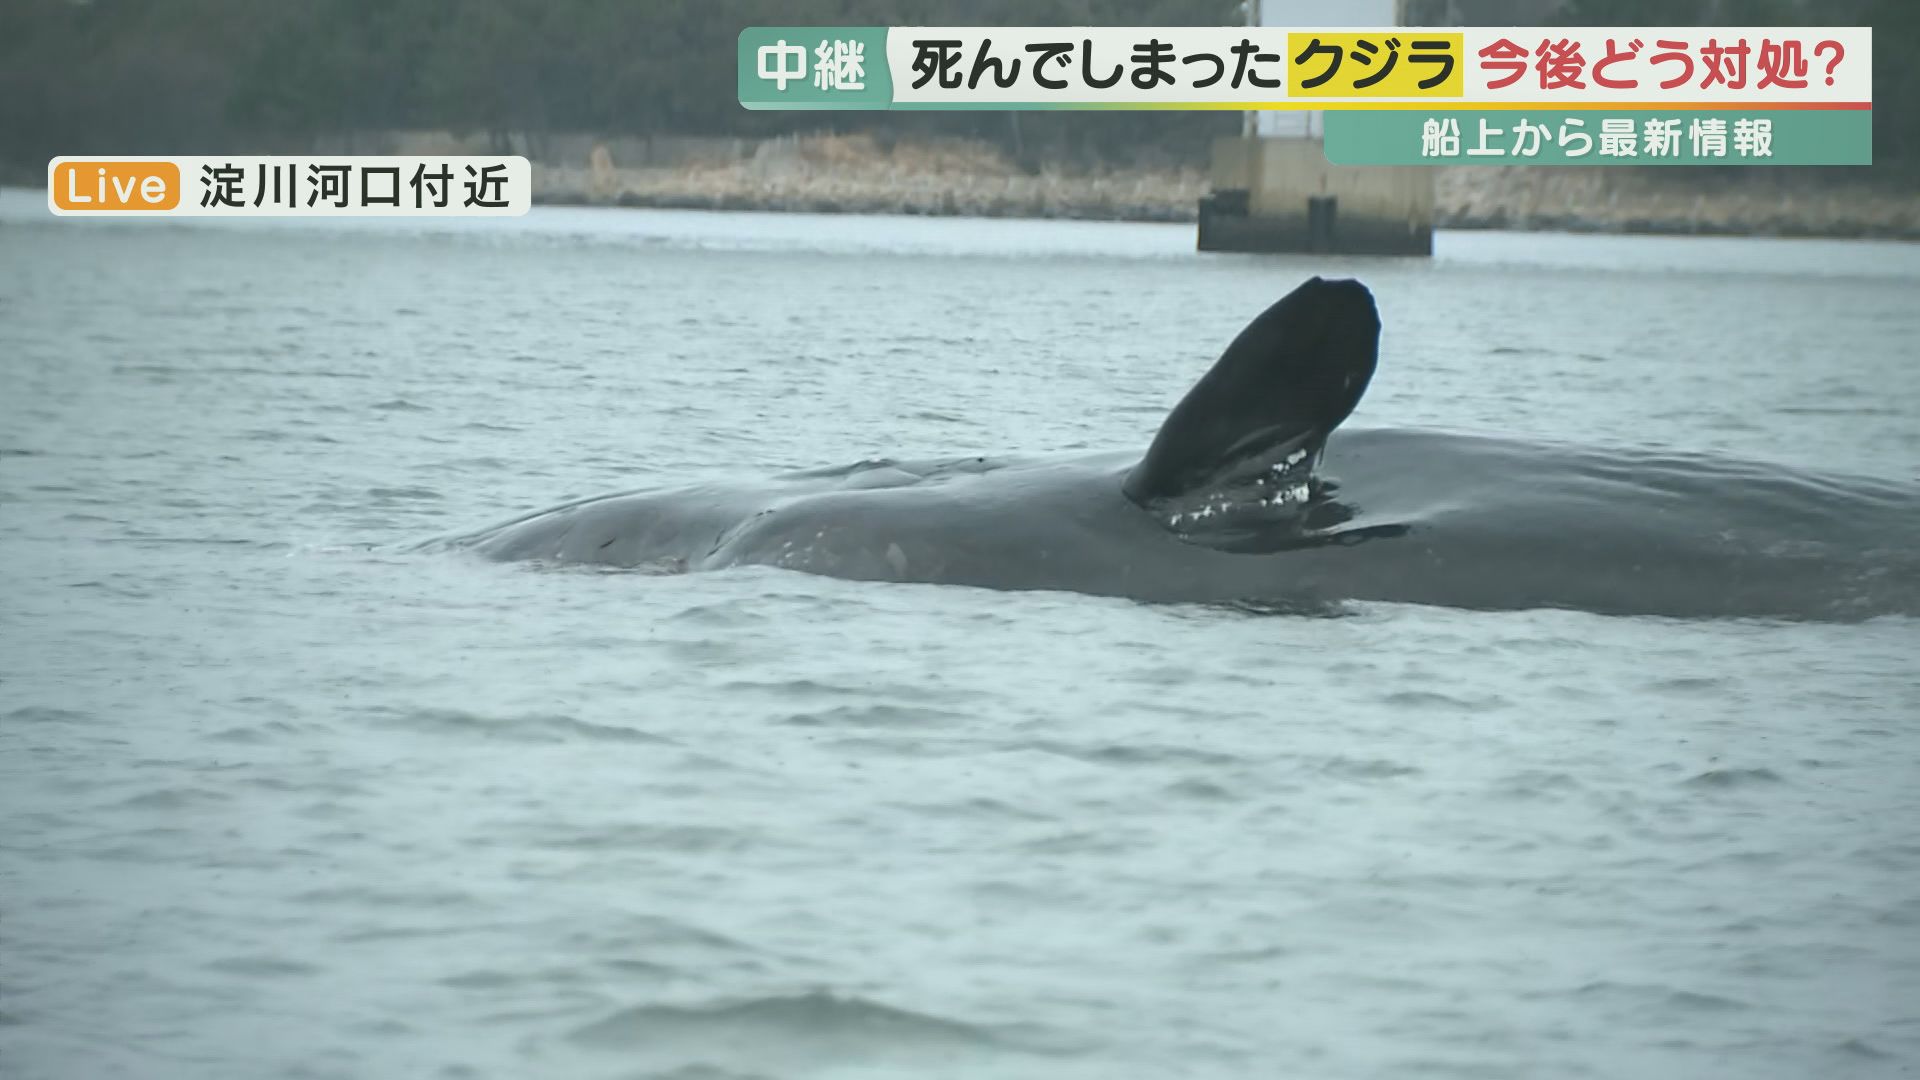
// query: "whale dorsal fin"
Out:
[1261,415]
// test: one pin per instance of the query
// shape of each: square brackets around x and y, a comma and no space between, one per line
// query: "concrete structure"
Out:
[1273,190]
[1279,194]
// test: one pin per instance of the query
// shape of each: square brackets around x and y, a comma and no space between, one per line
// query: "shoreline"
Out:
[851,174]
[799,177]
[1783,202]
[959,177]
[1496,220]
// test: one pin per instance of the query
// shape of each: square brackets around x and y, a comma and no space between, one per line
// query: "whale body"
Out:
[1249,494]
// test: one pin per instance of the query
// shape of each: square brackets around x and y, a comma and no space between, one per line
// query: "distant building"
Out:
[1273,190]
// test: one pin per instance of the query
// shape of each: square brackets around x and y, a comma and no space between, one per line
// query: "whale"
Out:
[1253,493]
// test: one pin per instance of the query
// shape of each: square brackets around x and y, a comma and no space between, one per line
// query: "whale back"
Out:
[1264,410]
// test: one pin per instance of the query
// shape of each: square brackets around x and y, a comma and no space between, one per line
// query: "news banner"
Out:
[1385,95]
[1371,96]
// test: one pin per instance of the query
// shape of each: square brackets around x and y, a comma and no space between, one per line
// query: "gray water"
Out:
[281,801]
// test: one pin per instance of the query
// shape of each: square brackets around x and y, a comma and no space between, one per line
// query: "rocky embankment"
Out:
[861,174]
[1754,202]
[855,174]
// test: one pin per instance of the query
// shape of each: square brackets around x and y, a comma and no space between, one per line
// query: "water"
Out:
[281,801]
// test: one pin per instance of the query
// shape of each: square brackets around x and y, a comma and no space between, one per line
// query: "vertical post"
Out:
[1272,188]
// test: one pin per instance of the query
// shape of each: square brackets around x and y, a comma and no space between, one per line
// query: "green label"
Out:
[814,67]
[1600,137]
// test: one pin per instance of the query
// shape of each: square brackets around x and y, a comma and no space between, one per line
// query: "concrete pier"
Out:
[1271,189]
[1279,194]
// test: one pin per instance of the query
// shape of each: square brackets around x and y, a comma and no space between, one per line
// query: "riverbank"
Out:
[1785,201]
[858,174]
[967,177]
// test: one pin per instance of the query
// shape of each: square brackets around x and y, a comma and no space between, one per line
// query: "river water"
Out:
[282,800]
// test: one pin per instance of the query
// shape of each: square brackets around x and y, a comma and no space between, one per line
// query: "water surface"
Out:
[280,801]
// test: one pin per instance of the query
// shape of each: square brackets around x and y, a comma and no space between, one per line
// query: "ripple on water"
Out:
[385,496]
[624,836]
[42,714]
[174,798]
[1640,998]
[265,732]
[876,716]
[790,1032]
[1355,768]
[1723,779]
[983,810]
[529,728]
[1132,754]
[264,967]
